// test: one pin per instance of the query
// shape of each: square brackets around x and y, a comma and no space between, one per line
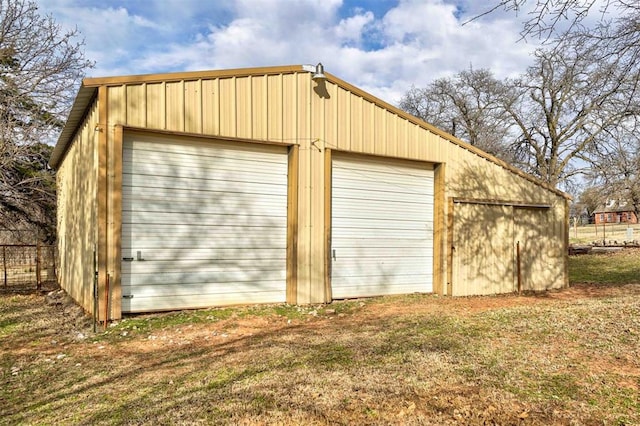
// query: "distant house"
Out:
[615,212]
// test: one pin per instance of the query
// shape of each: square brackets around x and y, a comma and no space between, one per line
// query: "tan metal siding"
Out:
[210,107]
[291,108]
[193,106]
[155,106]
[77,188]
[228,107]
[483,249]
[275,107]
[136,105]
[175,106]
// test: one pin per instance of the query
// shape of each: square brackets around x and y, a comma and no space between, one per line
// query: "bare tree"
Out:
[564,103]
[553,19]
[616,164]
[467,105]
[40,66]
[547,121]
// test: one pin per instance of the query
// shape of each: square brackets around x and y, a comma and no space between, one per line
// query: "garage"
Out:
[284,184]
[382,227]
[203,223]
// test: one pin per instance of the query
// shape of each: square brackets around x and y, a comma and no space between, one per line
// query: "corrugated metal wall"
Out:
[287,107]
[292,109]
[77,213]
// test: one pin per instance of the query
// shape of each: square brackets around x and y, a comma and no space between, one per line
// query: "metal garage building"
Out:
[267,185]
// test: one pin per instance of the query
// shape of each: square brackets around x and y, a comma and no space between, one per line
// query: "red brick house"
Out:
[615,212]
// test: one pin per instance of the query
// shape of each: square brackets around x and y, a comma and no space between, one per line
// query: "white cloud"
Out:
[414,42]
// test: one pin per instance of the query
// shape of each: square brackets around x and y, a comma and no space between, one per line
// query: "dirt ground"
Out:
[329,364]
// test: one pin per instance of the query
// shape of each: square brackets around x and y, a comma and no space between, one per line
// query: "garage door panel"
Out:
[276,200]
[372,226]
[383,187]
[217,278]
[203,241]
[148,145]
[266,186]
[417,232]
[209,220]
[265,218]
[386,246]
[357,288]
[222,206]
[382,227]
[173,302]
[183,231]
[358,195]
[363,267]
[205,174]
[205,253]
[208,265]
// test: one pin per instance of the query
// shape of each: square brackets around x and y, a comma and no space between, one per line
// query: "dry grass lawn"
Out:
[556,358]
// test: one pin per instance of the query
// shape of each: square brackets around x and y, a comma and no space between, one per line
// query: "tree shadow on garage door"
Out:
[212,235]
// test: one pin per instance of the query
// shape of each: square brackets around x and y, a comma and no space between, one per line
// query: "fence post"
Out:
[4,263]
[38,256]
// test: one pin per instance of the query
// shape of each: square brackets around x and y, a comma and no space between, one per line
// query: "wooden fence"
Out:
[28,264]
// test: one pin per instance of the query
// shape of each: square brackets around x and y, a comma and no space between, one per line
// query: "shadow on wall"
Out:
[507,235]
[201,229]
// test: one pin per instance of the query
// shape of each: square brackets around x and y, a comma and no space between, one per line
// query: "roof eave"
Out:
[83,100]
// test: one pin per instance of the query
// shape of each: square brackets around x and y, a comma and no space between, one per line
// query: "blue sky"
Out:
[381,46]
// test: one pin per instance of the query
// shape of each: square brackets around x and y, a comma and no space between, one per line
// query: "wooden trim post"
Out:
[102,196]
[439,229]
[292,225]
[328,294]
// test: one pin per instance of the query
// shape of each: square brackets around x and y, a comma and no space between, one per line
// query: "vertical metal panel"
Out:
[275,106]
[260,105]
[136,105]
[344,120]
[382,227]
[156,105]
[356,123]
[380,144]
[331,114]
[368,138]
[211,107]
[227,109]
[402,138]
[193,106]
[175,106]
[117,104]
[244,107]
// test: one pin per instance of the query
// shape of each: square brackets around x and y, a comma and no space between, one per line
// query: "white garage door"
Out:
[382,228]
[203,223]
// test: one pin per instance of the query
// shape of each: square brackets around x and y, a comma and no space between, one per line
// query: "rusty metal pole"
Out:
[518,267]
